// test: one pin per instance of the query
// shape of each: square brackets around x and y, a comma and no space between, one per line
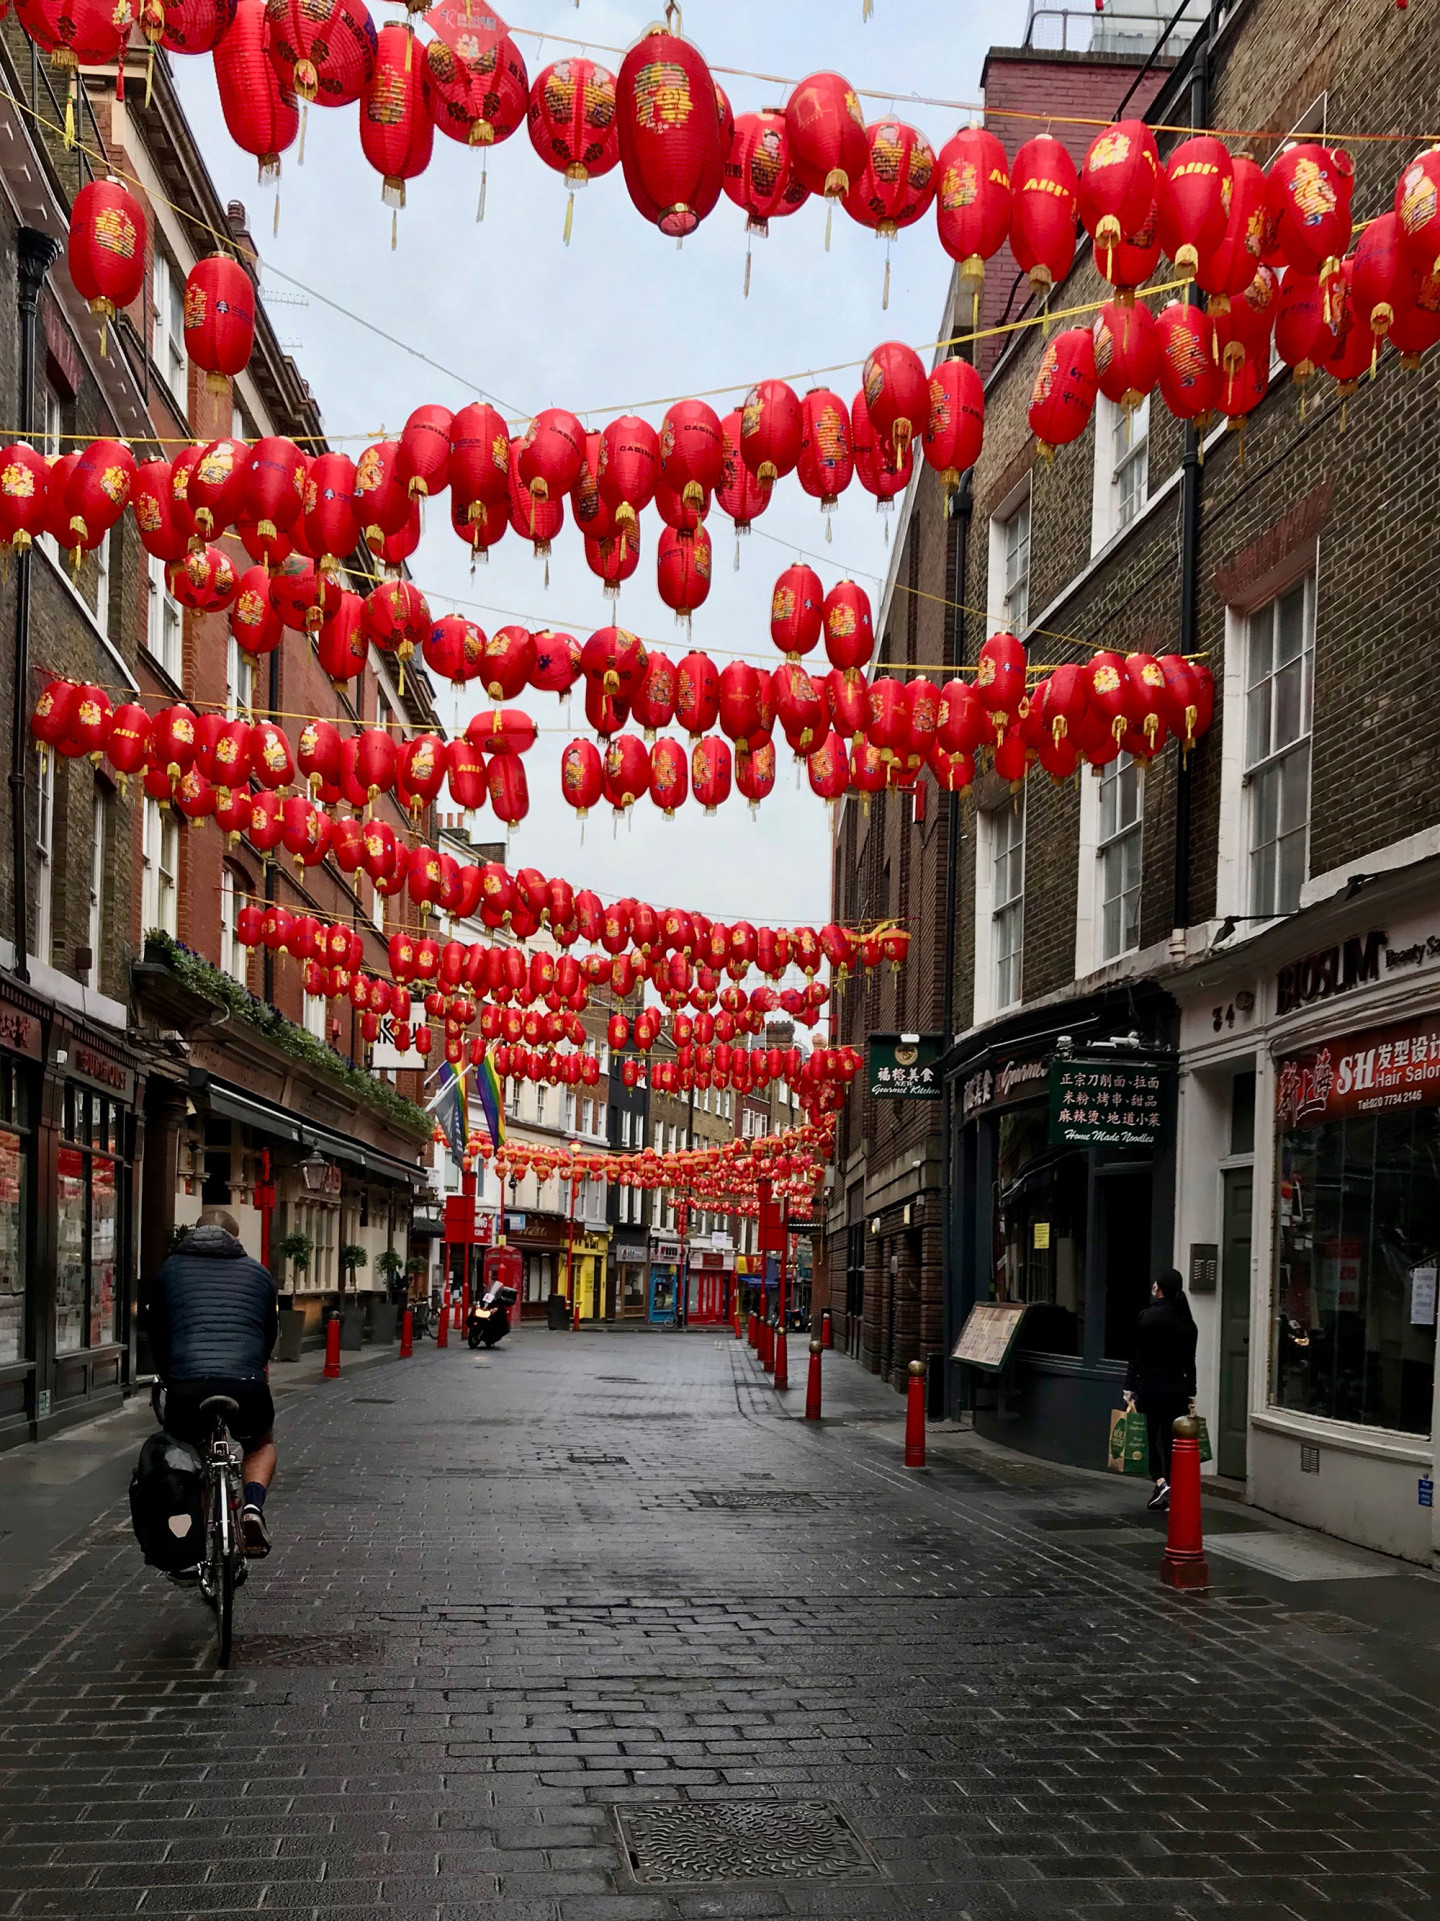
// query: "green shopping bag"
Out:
[1129,1442]
[1205,1454]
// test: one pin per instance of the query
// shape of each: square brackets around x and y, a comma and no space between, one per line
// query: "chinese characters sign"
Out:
[1105,1103]
[989,1330]
[905,1067]
[1384,1067]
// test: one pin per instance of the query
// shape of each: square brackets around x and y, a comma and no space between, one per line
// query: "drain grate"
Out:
[702,1844]
[620,1380]
[343,1650]
[598,1460]
[751,1500]
[372,1400]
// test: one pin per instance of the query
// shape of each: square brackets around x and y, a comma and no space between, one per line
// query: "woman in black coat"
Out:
[1162,1373]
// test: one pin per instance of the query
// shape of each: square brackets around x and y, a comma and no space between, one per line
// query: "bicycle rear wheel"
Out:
[225,1611]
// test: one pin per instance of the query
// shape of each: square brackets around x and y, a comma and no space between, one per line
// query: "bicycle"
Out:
[222,1567]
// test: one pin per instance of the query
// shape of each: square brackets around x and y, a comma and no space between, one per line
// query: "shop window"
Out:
[1119,855]
[1040,1194]
[1123,1200]
[88,1191]
[1358,1242]
[1007,899]
[160,863]
[15,1124]
[45,860]
[1279,674]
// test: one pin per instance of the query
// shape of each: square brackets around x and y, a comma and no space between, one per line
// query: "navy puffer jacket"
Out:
[213,1313]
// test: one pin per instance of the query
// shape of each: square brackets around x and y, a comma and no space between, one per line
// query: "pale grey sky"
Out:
[617,318]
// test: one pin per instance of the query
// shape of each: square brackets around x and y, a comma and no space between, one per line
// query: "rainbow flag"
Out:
[451,1108]
[492,1104]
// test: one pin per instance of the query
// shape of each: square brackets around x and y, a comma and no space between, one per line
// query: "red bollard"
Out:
[464,1320]
[767,1346]
[407,1335]
[1184,1565]
[442,1332]
[332,1348]
[782,1359]
[459,1324]
[915,1416]
[827,1332]
[812,1383]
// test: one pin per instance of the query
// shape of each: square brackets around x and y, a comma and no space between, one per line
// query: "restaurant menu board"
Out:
[12,1248]
[988,1334]
[70,1253]
[1105,1103]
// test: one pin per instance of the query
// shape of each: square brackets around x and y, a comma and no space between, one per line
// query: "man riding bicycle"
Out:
[212,1319]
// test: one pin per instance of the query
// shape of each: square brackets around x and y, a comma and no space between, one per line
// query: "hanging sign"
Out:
[905,1067]
[1112,1103]
[1366,1073]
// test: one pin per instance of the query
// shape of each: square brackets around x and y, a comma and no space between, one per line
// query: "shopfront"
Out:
[541,1239]
[1309,1214]
[629,1274]
[587,1259]
[711,1274]
[666,1266]
[69,1141]
[1063,1184]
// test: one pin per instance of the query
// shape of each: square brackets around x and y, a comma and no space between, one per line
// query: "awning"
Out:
[280,1124]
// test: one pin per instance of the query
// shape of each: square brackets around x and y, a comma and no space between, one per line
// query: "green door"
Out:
[1235,1322]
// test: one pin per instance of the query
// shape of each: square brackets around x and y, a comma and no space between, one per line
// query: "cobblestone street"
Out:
[601,1585]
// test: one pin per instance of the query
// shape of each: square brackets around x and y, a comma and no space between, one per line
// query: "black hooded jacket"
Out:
[1164,1361]
[213,1313]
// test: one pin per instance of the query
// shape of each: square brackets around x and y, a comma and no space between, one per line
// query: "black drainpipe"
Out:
[36,253]
[1191,476]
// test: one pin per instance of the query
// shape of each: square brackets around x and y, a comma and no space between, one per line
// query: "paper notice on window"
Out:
[1422,1297]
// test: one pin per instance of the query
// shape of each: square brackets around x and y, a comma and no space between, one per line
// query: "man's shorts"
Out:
[249,1427]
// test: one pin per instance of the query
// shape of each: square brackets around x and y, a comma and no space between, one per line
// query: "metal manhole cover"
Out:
[702,1844]
[748,1500]
[343,1650]
[598,1460]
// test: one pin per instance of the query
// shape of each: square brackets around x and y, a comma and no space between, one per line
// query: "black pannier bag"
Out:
[167,1503]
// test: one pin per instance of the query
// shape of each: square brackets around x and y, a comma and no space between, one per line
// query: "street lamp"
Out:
[314,1168]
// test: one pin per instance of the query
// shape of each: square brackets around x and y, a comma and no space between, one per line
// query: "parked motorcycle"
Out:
[489,1320]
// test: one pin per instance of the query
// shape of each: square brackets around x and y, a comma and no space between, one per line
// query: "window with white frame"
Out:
[1130,461]
[1118,854]
[312,1015]
[567,1112]
[168,302]
[1280,657]
[233,956]
[45,860]
[102,583]
[162,624]
[1015,579]
[98,829]
[160,865]
[540,1094]
[239,678]
[1007,898]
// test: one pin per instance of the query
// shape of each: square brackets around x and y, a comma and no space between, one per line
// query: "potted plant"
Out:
[294,1248]
[354,1313]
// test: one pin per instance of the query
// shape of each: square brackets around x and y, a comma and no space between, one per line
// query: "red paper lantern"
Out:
[1243,324]
[829,768]
[97,491]
[956,428]
[1064,391]
[581,776]
[683,568]
[669,126]
[669,775]
[106,254]
[829,150]
[771,429]
[999,685]
[206,581]
[800,707]
[396,618]
[455,649]
[1304,338]
[877,467]
[628,468]
[190,26]
[87,33]
[332,520]
[755,770]
[692,456]
[697,694]
[740,494]
[129,746]
[425,450]
[273,490]
[654,703]
[509,789]
[973,203]
[1231,266]
[219,319]
[796,611]
[1117,184]
[535,518]
[759,174]
[24,481]
[260,110]
[826,464]
[626,771]
[572,124]
[1307,197]
[849,627]
[710,772]
[1377,261]
[1187,360]
[557,662]
[324,49]
[479,88]
[1193,192]
[317,754]
[1127,353]
[897,394]
[551,454]
[216,485]
[897,184]
[1045,193]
